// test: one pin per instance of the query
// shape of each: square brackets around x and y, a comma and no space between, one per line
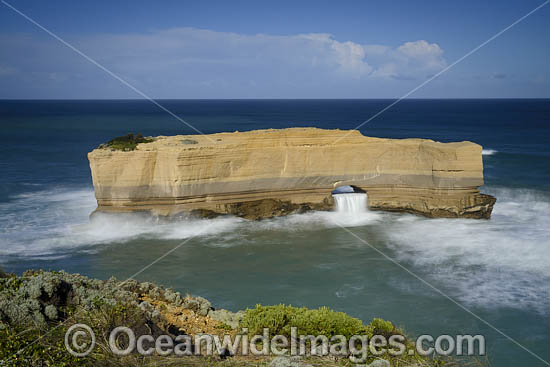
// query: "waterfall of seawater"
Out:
[351,203]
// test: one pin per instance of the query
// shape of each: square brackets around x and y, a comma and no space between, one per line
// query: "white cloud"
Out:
[424,54]
[420,49]
[349,56]
[409,61]
[168,62]
[314,51]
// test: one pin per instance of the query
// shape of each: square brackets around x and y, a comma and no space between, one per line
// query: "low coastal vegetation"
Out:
[38,308]
[126,142]
[322,321]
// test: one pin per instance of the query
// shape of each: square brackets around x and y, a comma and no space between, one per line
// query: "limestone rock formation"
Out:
[265,173]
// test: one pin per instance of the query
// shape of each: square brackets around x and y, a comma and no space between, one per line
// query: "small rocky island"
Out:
[265,173]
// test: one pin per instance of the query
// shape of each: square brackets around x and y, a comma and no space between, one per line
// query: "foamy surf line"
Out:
[55,223]
[500,262]
[488,151]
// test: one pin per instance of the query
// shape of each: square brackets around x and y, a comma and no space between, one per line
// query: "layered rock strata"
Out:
[265,173]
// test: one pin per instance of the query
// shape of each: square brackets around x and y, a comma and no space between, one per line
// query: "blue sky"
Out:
[282,49]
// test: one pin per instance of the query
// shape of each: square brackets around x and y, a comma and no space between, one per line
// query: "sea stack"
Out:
[265,173]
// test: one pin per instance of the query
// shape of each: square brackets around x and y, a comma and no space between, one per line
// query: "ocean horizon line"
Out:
[279,99]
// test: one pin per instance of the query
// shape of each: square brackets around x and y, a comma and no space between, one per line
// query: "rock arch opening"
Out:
[347,189]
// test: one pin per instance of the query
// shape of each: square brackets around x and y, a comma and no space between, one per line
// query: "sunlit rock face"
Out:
[265,173]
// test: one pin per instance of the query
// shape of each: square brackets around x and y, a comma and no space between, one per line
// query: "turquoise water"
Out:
[499,269]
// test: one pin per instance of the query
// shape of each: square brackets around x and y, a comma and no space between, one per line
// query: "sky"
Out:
[274,49]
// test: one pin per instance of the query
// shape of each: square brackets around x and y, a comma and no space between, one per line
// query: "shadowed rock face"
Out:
[265,173]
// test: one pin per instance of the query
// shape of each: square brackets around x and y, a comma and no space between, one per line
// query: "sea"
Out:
[489,277]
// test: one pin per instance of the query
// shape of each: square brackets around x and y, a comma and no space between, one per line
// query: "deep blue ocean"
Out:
[499,269]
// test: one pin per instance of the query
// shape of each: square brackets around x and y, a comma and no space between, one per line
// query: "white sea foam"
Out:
[350,203]
[54,223]
[504,261]
[488,151]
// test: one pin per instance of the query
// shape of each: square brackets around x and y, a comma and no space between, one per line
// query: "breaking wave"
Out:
[503,261]
[500,262]
[488,151]
[54,223]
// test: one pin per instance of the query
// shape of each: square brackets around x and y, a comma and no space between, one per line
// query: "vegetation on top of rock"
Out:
[38,307]
[30,347]
[126,142]
[322,321]
[382,327]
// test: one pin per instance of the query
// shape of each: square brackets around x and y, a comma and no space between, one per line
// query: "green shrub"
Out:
[29,347]
[10,282]
[24,346]
[127,142]
[323,321]
[382,327]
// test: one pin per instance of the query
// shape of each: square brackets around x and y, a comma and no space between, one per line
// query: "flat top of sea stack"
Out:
[295,137]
